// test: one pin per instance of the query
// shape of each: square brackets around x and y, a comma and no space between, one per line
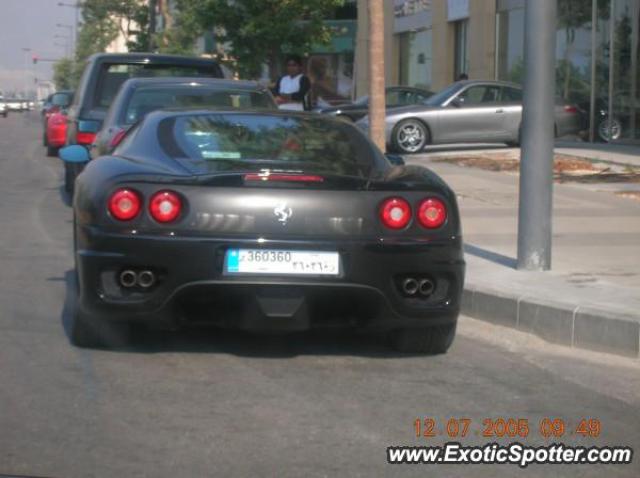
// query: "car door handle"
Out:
[499,110]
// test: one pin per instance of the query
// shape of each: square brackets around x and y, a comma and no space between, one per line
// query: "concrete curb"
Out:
[564,323]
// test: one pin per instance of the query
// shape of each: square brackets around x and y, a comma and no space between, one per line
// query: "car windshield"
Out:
[112,76]
[145,100]
[255,142]
[443,95]
[362,100]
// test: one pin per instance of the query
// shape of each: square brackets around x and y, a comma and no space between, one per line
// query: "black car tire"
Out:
[421,136]
[428,340]
[69,178]
[87,332]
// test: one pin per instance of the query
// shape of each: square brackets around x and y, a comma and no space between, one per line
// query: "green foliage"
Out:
[256,31]
[103,20]
[64,74]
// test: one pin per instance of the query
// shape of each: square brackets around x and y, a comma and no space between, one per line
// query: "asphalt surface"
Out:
[213,403]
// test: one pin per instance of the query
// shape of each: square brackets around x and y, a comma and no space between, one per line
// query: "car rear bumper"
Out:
[192,287]
[56,137]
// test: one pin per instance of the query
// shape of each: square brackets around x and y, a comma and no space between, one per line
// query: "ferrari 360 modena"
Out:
[263,221]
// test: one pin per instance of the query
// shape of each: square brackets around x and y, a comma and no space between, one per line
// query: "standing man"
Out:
[292,89]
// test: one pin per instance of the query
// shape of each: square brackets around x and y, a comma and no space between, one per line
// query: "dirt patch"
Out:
[629,194]
[565,168]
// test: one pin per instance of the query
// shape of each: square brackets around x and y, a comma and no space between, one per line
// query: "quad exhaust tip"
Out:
[410,286]
[422,287]
[130,278]
[146,279]
[425,287]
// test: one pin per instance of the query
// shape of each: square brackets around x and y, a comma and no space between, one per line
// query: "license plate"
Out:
[269,261]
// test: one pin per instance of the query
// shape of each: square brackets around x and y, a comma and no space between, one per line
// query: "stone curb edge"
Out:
[562,323]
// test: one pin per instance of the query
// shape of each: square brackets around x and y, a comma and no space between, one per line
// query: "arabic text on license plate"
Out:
[268,261]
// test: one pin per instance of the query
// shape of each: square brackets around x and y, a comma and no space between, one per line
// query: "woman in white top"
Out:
[291,89]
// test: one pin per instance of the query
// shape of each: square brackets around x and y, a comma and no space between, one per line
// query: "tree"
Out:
[256,31]
[63,74]
[104,20]
[376,73]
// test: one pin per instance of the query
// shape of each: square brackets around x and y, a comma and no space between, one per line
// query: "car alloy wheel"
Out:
[410,136]
[610,132]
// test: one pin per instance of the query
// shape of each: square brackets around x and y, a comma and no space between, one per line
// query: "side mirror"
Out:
[395,159]
[457,102]
[74,154]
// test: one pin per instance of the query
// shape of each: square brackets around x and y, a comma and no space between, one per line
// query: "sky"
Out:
[30,24]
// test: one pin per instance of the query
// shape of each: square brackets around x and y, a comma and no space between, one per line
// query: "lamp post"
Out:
[26,69]
[77,5]
[536,162]
[68,27]
[66,45]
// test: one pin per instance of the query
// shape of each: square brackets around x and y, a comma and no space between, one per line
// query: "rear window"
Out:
[254,142]
[113,75]
[145,100]
[61,99]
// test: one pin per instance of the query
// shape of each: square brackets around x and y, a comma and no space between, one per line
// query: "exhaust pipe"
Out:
[128,278]
[146,279]
[425,287]
[410,286]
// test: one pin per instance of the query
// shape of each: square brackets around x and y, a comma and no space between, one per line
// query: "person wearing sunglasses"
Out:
[291,90]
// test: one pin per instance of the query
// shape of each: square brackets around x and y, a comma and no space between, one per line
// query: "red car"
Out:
[56,132]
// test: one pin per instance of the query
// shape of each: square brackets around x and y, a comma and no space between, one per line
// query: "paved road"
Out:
[227,404]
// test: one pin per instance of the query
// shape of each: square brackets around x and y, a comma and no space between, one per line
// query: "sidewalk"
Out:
[591,297]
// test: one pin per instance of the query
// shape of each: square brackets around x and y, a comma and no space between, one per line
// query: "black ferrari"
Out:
[264,221]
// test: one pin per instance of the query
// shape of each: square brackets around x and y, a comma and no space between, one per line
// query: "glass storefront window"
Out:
[510,45]
[616,59]
[415,58]
[462,48]
[623,80]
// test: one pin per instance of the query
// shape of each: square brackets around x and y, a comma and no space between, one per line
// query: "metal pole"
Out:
[26,70]
[635,18]
[594,60]
[536,164]
[76,30]
[612,41]
[376,73]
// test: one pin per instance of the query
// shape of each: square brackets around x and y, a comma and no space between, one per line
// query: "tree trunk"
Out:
[376,73]
[151,46]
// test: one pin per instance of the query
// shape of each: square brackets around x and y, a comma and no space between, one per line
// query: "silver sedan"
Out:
[467,112]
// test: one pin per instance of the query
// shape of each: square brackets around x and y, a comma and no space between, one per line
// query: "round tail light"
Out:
[124,204]
[432,213]
[165,206]
[395,213]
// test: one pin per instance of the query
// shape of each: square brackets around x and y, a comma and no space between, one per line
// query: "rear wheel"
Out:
[609,130]
[427,340]
[87,332]
[69,178]
[410,136]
